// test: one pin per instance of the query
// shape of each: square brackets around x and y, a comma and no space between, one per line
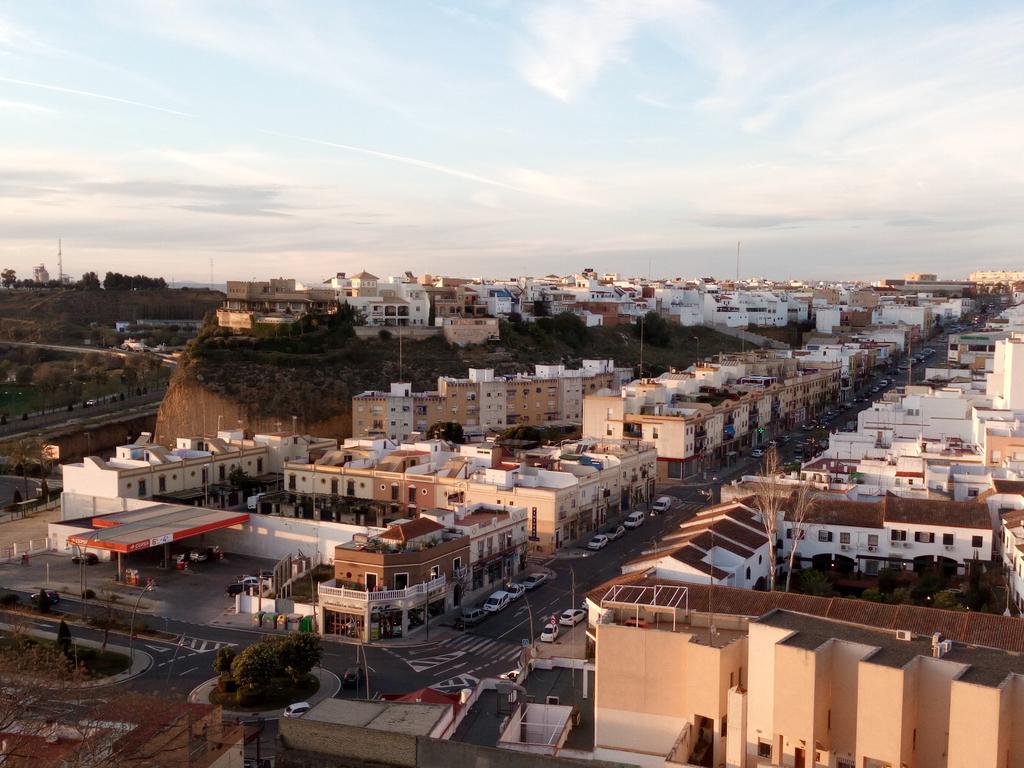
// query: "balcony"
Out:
[326,592]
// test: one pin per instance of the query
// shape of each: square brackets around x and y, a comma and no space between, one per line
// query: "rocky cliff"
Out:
[266,385]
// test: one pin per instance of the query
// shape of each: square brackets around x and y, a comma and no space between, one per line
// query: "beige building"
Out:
[688,675]
[705,416]
[276,301]
[463,331]
[483,402]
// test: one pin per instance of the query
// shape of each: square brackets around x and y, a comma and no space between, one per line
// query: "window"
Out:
[259,465]
[334,486]
[922,537]
[161,483]
[221,471]
[142,488]
[976,542]
[291,482]
[824,536]
[844,537]
[948,539]
[412,494]
[394,492]
[457,564]
[872,539]
[435,571]
[401,580]
[764,749]
[371,581]
[897,535]
[350,488]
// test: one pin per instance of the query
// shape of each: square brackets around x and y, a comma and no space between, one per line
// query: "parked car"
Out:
[498,601]
[198,556]
[600,541]
[534,580]
[253,502]
[515,590]
[757,453]
[512,675]
[550,633]
[352,677]
[661,504]
[89,558]
[634,520]
[572,617]
[253,582]
[235,589]
[51,594]
[614,532]
[297,710]
[470,618]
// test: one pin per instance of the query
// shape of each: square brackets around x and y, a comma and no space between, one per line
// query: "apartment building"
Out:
[278,301]
[692,675]
[392,301]
[742,308]
[897,533]
[196,470]
[974,350]
[386,584]
[707,414]
[483,402]
[568,490]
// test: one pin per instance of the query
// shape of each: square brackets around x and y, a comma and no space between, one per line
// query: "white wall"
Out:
[274,537]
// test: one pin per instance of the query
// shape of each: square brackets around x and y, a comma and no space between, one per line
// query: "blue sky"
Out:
[847,140]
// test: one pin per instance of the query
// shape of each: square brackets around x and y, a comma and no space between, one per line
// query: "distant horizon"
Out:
[471,138]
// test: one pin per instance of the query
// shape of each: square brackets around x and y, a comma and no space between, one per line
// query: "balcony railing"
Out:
[383,596]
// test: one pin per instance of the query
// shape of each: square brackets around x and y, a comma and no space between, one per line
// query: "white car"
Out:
[534,580]
[757,453]
[515,590]
[512,675]
[600,541]
[571,617]
[550,633]
[661,504]
[498,601]
[297,710]
[634,520]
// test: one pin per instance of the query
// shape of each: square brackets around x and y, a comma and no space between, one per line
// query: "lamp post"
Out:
[81,572]
[131,625]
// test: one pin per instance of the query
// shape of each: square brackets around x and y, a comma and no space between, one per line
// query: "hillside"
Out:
[68,316]
[265,382]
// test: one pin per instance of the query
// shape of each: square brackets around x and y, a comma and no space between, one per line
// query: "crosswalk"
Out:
[484,647]
[199,645]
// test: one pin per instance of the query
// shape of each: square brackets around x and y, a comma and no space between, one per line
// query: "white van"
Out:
[498,601]
[634,520]
[253,501]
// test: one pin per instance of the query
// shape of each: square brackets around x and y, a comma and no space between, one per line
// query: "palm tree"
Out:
[23,451]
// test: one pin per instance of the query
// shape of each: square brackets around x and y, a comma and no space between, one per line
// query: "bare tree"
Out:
[797,513]
[769,499]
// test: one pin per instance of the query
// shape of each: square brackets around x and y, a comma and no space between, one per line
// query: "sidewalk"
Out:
[330,684]
[143,661]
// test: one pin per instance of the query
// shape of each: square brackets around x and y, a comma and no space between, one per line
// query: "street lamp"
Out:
[131,625]
[81,571]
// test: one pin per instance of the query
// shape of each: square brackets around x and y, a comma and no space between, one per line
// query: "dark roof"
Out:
[859,514]
[1009,486]
[971,627]
[421,526]
[898,509]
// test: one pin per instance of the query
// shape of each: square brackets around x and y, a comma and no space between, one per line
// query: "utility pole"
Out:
[642,319]
[737,262]
[60,262]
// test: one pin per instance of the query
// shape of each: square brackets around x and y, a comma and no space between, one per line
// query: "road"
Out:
[10,483]
[132,405]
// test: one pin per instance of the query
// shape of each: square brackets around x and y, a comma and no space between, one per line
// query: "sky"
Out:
[845,140]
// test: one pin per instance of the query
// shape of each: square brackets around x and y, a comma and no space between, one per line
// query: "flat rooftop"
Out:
[409,719]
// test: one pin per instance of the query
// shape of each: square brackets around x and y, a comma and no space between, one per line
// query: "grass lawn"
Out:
[16,399]
[280,693]
[95,663]
[301,592]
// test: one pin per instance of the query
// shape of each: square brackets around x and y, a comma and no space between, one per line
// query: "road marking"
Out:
[456,683]
[421,665]
[157,648]
[182,674]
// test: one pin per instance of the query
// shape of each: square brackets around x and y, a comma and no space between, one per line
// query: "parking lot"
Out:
[197,594]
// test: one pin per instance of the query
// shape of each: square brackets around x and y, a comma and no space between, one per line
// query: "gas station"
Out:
[155,525]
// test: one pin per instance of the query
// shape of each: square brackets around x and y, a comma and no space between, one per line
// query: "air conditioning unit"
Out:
[904,634]
[949,547]
[844,547]
[872,548]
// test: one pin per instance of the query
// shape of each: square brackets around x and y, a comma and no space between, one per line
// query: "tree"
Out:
[814,582]
[254,667]
[769,500]
[297,654]
[655,329]
[446,430]
[798,514]
[90,282]
[225,657]
[64,639]
[23,451]
[42,601]
[8,277]
[523,432]
[541,308]
[432,314]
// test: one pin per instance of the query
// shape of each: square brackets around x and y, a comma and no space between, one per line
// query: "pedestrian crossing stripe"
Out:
[421,665]
[199,645]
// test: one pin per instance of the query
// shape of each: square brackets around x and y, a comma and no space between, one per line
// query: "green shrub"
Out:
[88,594]
[249,697]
